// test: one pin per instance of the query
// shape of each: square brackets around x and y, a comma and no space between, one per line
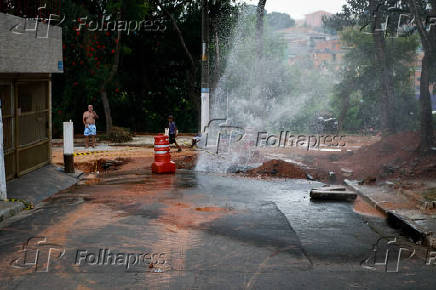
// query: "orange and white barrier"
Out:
[162,158]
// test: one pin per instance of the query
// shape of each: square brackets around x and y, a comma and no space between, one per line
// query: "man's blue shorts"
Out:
[91,130]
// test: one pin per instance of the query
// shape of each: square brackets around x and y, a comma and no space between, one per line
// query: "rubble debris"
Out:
[185,162]
[237,169]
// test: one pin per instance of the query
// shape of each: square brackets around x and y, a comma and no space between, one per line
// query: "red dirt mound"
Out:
[392,156]
[277,168]
[185,162]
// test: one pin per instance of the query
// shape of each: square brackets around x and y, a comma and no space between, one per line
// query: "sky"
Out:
[297,8]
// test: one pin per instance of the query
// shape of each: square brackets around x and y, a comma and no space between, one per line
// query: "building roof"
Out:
[29,50]
[318,12]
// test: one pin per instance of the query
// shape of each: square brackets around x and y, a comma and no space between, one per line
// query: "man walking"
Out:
[173,132]
[89,122]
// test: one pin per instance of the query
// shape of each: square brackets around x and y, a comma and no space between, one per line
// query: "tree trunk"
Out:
[107,111]
[387,110]
[181,39]
[260,13]
[426,118]
[103,91]
[428,40]
[345,105]
[386,101]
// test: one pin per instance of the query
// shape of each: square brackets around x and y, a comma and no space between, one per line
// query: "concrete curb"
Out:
[8,209]
[396,219]
[368,199]
[409,227]
[50,181]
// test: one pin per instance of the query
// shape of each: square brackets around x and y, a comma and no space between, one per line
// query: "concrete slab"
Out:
[320,194]
[40,184]
[8,209]
[400,210]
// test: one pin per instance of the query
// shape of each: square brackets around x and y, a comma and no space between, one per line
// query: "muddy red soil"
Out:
[394,156]
[371,159]
[368,158]
[277,168]
[124,158]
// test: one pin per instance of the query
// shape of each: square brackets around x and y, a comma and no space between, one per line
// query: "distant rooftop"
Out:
[319,12]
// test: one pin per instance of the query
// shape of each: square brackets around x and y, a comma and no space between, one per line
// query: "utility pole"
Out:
[205,90]
[3,194]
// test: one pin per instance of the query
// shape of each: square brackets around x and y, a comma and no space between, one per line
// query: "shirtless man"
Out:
[89,122]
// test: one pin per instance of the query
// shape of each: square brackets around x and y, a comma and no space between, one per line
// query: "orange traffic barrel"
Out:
[162,158]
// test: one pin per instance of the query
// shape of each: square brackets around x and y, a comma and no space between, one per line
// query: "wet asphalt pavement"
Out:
[201,231]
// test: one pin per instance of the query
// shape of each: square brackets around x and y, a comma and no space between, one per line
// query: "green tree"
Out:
[357,96]
[424,13]
[279,21]
[378,19]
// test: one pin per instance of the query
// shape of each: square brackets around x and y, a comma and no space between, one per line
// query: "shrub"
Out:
[118,135]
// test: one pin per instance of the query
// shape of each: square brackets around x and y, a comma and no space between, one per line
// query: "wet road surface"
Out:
[199,231]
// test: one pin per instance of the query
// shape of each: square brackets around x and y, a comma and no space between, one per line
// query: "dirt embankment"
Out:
[122,158]
[391,157]
[377,159]
[277,168]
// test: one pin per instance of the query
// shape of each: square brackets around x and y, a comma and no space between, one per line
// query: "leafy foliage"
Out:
[279,21]
[152,80]
[362,83]
[118,135]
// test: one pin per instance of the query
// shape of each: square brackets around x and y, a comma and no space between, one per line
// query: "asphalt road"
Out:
[137,230]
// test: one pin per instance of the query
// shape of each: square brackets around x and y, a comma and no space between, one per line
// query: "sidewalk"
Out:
[139,140]
[8,209]
[403,211]
[148,140]
[34,187]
